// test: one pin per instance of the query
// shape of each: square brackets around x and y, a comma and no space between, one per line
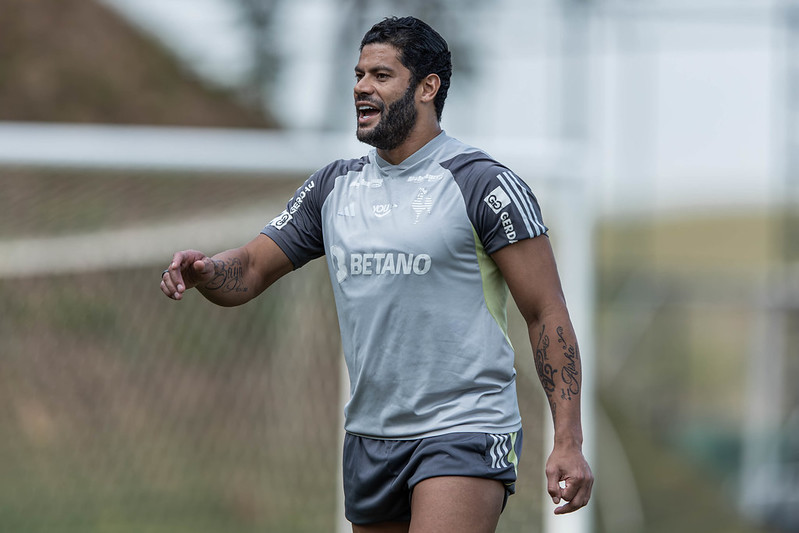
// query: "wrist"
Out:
[570,441]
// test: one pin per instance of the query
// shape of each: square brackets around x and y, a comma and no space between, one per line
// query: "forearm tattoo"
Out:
[545,371]
[569,372]
[228,276]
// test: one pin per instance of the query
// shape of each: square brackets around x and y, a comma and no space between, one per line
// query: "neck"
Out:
[419,136]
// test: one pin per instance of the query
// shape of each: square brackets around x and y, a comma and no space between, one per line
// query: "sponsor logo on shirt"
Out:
[382,210]
[378,263]
[339,262]
[507,226]
[498,199]
[348,210]
[281,220]
[300,195]
[362,182]
[427,178]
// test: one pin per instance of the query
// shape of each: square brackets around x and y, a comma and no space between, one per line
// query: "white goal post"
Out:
[557,173]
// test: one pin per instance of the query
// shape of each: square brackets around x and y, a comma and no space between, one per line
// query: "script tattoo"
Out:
[544,369]
[570,373]
[228,276]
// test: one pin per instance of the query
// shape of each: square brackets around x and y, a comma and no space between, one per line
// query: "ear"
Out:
[428,88]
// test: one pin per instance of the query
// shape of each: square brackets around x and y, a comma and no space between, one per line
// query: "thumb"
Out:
[201,265]
[203,269]
[198,272]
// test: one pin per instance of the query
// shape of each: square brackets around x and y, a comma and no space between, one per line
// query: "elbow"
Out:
[536,315]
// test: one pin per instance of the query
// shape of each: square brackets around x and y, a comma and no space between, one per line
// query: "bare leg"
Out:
[385,527]
[452,504]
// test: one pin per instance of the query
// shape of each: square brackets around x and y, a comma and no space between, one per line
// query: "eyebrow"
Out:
[376,68]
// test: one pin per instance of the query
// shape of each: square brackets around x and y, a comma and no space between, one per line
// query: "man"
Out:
[423,237]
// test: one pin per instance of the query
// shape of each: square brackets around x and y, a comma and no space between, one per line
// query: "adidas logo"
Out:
[348,211]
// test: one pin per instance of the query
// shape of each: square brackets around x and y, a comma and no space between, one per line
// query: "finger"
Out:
[571,506]
[175,283]
[569,488]
[168,285]
[164,287]
[181,268]
[182,261]
[184,258]
[553,486]
[579,500]
[566,509]
[578,484]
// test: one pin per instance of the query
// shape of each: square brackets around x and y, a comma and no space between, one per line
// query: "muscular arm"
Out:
[530,272]
[229,278]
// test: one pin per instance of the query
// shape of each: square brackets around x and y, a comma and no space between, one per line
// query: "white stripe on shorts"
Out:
[499,450]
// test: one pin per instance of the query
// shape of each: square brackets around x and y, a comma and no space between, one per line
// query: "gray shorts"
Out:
[379,475]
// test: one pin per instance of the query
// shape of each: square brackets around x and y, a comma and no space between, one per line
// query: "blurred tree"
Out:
[258,17]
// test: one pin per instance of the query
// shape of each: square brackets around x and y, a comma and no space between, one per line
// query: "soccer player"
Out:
[423,237]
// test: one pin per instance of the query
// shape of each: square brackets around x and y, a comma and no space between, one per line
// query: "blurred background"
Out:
[660,137]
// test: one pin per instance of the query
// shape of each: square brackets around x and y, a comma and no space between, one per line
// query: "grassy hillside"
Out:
[76,61]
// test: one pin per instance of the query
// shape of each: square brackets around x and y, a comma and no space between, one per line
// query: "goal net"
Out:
[121,410]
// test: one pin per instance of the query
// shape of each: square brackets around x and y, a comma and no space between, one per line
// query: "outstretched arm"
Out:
[530,272]
[229,278]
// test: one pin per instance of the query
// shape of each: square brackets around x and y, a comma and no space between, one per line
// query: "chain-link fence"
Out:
[121,410]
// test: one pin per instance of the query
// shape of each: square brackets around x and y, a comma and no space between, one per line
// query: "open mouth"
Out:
[366,113]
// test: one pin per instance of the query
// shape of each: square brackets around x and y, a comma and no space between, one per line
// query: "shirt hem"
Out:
[492,430]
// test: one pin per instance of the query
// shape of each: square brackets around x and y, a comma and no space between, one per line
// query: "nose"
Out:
[362,86]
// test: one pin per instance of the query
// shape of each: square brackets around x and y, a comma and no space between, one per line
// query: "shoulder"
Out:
[469,164]
[319,184]
[476,172]
[500,204]
[341,167]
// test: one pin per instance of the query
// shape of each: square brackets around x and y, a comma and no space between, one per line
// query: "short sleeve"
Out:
[501,206]
[298,229]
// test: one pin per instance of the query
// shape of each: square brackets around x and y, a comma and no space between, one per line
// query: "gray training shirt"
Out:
[421,305]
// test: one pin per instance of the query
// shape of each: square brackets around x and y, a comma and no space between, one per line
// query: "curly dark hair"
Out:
[422,51]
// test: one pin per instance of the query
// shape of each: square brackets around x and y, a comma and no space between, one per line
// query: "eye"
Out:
[382,76]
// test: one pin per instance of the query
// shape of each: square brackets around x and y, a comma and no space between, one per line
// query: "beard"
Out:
[395,123]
